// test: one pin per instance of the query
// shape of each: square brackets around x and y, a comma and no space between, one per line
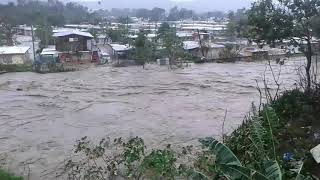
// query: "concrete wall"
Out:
[81,58]
[213,53]
[14,59]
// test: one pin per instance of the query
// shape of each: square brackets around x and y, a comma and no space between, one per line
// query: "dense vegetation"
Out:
[54,12]
[41,14]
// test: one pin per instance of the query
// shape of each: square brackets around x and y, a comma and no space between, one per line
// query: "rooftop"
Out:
[188,45]
[120,47]
[14,49]
[73,32]
[49,51]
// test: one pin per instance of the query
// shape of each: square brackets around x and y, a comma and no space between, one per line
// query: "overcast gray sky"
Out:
[198,5]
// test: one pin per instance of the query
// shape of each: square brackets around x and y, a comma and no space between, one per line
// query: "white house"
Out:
[14,55]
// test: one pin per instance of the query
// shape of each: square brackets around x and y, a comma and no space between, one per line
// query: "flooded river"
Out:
[42,115]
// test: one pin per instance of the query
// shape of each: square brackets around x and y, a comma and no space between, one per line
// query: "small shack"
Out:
[118,51]
[14,55]
[256,54]
[193,48]
[74,46]
[209,50]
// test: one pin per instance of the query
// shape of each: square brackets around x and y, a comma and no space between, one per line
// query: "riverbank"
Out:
[295,132]
[273,143]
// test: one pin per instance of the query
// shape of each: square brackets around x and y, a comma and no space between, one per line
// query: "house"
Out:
[213,50]
[208,50]
[25,30]
[14,55]
[185,36]
[117,51]
[74,46]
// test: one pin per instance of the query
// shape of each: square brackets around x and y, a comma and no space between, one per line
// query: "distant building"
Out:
[185,36]
[25,30]
[14,55]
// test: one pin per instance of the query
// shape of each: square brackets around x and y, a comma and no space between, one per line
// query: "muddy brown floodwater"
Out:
[42,115]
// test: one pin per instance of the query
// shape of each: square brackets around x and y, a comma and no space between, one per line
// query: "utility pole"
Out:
[200,42]
[34,52]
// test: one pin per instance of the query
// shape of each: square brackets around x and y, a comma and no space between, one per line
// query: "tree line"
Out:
[44,13]
[160,14]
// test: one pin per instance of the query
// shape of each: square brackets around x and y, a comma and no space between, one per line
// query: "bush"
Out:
[290,104]
[16,67]
[7,176]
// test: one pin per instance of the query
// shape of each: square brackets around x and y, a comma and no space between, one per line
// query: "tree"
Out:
[143,13]
[7,25]
[291,19]
[124,20]
[185,13]
[238,23]
[173,14]
[173,46]
[28,12]
[164,27]
[316,25]
[115,35]
[143,49]
[2,40]
[44,33]
[157,14]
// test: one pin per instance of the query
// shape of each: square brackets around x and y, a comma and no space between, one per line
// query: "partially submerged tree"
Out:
[287,19]
[173,46]
[143,49]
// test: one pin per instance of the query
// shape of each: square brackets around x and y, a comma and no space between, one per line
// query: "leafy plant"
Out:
[160,164]
[228,165]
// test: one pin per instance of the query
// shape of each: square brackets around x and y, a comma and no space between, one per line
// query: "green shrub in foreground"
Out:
[7,176]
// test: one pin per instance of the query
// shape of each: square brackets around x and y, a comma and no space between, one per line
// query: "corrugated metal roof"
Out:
[188,45]
[119,47]
[184,34]
[213,45]
[67,33]
[49,51]
[13,49]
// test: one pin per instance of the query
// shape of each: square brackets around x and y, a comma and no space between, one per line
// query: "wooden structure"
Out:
[14,55]
[73,41]
[74,47]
